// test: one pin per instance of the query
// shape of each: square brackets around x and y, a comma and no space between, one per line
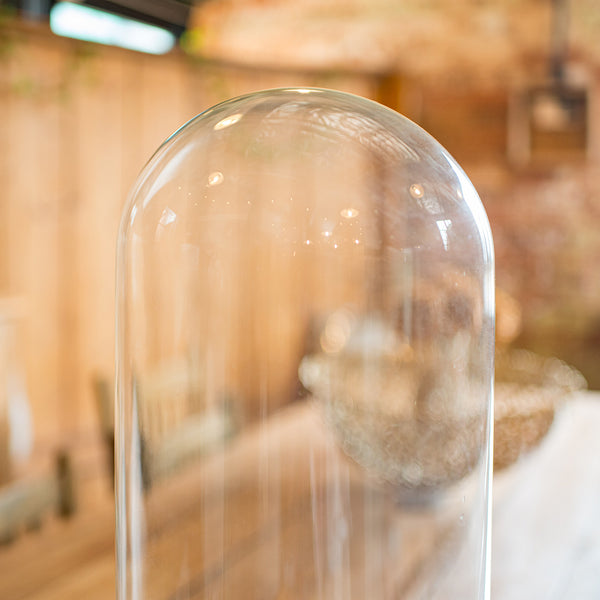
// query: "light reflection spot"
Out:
[215,178]
[349,213]
[228,121]
[168,216]
[416,190]
[443,227]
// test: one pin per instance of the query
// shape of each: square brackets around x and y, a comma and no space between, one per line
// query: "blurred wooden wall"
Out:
[78,123]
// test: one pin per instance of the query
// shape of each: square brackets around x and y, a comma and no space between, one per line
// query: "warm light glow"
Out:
[215,178]
[416,190]
[83,23]
[549,113]
[228,121]
[349,213]
[168,216]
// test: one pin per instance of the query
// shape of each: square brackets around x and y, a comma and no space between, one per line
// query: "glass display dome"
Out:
[305,322]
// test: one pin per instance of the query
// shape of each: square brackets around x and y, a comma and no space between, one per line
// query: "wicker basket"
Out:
[529,388]
[407,429]
[403,424]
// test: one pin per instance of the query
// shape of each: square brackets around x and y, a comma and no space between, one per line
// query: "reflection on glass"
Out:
[305,360]
[215,178]
[416,190]
[228,121]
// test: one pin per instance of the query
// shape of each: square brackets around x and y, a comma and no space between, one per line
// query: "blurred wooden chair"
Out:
[25,502]
[176,424]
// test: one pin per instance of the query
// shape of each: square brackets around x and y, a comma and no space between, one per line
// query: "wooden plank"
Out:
[5,163]
[93,580]
[162,101]
[68,166]
[32,193]
[51,557]
[99,144]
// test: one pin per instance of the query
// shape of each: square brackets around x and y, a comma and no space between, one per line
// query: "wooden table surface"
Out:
[546,528]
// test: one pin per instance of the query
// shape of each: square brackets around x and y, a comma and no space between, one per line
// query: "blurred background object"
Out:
[30,487]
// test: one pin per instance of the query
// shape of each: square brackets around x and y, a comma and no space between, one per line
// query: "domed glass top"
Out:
[305,353]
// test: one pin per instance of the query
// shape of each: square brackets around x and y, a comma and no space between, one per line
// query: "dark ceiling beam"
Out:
[169,14]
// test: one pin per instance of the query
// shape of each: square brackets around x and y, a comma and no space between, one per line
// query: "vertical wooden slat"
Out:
[69,170]
[99,147]
[133,154]
[32,195]
[5,151]
[162,102]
